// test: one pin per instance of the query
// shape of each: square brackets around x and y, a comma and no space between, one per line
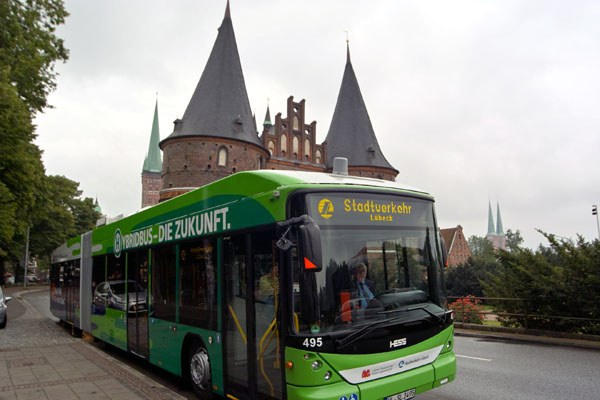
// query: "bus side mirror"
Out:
[309,238]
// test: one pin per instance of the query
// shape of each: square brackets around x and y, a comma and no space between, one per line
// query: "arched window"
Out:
[318,157]
[307,149]
[271,147]
[296,123]
[283,145]
[222,158]
[295,145]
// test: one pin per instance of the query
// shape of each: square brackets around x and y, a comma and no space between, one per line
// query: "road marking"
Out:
[474,358]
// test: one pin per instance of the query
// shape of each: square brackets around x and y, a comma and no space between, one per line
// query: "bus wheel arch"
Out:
[197,368]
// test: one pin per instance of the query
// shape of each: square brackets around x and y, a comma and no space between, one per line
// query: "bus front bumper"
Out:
[427,377]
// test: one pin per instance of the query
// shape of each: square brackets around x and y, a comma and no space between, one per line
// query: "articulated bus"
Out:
[271,285]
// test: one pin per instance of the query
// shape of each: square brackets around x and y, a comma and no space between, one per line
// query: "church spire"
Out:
[351,134]
[153,163]
[268,116]
[500,230]
[219,105]
[491,228]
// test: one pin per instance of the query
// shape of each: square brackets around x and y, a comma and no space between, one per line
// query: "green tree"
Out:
[514,240]
[481,247]
[559,281]
[29,49]
[64,215]
[468,278]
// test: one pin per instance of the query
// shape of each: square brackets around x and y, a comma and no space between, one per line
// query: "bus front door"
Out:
[252,345]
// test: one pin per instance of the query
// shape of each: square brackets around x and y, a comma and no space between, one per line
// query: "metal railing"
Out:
[523,316]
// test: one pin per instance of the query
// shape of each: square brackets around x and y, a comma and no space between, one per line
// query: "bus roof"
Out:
[280,178]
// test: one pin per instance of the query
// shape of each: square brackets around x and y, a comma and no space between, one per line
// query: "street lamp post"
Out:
[26,259]
[595,212]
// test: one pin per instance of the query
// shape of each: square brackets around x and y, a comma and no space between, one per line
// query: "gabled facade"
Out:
[291,141]
[456,245]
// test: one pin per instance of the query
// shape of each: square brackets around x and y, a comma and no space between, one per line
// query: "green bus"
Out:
[271,284]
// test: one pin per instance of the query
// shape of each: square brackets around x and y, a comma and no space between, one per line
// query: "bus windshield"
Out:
[380,261]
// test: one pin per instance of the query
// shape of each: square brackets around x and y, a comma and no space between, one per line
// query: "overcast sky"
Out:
[473,101]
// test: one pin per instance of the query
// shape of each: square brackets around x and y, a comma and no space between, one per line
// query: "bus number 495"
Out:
[313,342]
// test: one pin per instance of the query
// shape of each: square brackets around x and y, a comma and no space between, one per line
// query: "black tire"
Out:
[3,324]
[199,371]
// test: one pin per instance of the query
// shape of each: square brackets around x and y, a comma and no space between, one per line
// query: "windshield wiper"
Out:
[424,308]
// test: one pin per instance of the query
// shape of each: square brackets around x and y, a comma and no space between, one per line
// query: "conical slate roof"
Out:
[351,134]
[219,106]
[153,163]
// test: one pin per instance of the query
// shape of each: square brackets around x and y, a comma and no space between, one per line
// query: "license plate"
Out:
[409,394]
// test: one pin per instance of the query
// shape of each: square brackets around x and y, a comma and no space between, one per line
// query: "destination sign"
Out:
[368,209]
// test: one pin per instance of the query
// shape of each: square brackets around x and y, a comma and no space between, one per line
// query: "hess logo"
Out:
[326,208]
[397,343]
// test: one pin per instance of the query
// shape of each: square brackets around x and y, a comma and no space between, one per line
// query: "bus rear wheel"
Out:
[199,367]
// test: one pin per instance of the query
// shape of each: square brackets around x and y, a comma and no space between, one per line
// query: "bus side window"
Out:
[163,283]
[198,279]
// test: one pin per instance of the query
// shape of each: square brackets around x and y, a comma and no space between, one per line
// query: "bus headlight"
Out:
[316,365]
[327,375]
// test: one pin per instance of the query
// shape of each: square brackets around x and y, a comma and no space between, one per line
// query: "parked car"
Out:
[3,316]
[112,293]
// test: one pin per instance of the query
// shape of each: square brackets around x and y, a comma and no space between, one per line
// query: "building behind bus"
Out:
[218,136]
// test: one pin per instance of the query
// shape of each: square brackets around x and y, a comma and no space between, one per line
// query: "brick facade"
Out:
[456,245]
[151,186]
[191,162]
[291,142]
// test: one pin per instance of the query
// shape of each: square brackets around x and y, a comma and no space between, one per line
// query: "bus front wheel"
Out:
[199,365]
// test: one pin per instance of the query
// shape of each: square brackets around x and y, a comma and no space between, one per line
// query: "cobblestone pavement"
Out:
[40,360]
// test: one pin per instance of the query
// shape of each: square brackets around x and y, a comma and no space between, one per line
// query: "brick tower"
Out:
[216,135]
[152,169]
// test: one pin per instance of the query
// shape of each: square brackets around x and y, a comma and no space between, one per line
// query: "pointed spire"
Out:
[268,116]
[227,11]
[153,162]
[219,105]
[351,134]
[500,230]
[97,206]
[347,48]
[491,229]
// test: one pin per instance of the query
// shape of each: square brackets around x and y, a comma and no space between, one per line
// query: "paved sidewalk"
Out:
[40,360]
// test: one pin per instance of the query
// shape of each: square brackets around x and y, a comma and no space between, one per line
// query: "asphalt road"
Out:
[487,369]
